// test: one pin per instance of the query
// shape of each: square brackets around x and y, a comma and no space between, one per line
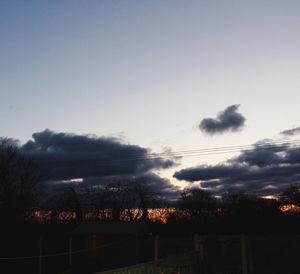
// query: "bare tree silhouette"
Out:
[196,201]
[19,181]
[292,195]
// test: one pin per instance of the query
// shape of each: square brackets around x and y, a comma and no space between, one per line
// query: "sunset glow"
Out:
[290,209]
[160,215]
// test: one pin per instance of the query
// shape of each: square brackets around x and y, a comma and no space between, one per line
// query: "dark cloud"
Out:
[291,132]
[206,172]
[263,170]
[68,156]
[162,187]
[227,120]
[262,154]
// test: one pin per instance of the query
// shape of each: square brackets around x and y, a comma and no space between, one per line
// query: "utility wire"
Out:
[64,253]
[182,152]
[204,152]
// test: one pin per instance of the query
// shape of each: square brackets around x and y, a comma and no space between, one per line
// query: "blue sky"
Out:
[149,71]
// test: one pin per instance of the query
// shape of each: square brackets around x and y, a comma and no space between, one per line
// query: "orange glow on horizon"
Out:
[159,215]
[290,209]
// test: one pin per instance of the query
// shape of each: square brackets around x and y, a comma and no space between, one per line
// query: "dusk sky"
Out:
[178,75]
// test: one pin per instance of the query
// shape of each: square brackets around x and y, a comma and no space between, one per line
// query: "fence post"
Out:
[156,248]
[244,254]
[70,250]
[40,253]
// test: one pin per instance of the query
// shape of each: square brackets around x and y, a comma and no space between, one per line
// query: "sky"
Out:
[147,73]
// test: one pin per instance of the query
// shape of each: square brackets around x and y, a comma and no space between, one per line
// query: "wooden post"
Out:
[244,254]
[196,243]
[156,248]
[250,255]
[199,249]
[136,249]
[40,253]
[70,251]
[247,255]
[103,252]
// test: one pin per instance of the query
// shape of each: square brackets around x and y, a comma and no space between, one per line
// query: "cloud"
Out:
[226,121]
[263,170]
[161,187]
[206,172]
[70,156]
[291,132]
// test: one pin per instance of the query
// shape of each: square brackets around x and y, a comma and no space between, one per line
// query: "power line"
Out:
[240,147]
[204,152]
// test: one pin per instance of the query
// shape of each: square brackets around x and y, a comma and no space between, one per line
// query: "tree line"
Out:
[23,197]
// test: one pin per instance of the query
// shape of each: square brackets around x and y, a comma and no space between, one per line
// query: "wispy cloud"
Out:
[291,132]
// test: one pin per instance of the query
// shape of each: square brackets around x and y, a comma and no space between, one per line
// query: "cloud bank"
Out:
[161,186]
[260,171]
[228,120]
[95,160]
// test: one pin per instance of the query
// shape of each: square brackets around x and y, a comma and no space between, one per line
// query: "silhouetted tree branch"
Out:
[291,195]
[19,181]
[196,202]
